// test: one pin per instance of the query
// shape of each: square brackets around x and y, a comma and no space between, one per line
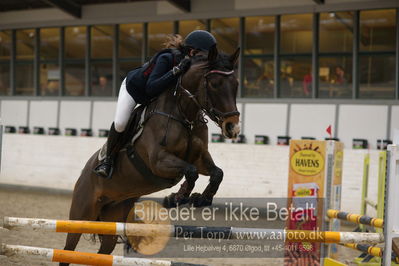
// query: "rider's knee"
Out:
[120,125]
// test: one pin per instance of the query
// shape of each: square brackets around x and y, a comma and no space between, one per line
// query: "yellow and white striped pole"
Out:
[356,218]
[371,250]
[180,231]
[66,256]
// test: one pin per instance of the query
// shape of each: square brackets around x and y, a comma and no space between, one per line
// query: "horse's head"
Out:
[213,85]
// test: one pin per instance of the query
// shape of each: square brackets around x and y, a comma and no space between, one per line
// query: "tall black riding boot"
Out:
[105,168]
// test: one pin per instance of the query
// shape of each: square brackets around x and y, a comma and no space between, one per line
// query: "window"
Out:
[296,56]
[5,56]
[258,63]
[101,78]
[335,57]
[74,60]
[101,60]
[25,47]
[226,32]
[25,44]
[258,77]
[336,32]
[377,30]
[295,77]
[49,69]
[377,76]
[4,78]
[101,41]
[74,79]
[5,45]
[187,26]
[49,43]
[259,35]
[377,54]
[24,78]
[130,50]
[157,32]
[130,40]
[335,77]
[296,33]
[49,79]
[75,42]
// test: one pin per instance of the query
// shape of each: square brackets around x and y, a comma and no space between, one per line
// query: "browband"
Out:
[224,73]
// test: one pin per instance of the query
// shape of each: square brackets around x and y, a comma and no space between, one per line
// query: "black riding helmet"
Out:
[200,40]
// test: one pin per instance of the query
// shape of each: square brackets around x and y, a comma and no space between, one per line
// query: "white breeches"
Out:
[124,108]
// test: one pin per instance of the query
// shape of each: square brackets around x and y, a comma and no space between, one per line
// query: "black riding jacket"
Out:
[159,80]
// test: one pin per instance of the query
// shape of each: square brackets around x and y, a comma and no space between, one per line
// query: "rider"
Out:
[164,73]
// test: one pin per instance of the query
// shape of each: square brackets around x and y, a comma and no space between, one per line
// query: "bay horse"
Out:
[173,144]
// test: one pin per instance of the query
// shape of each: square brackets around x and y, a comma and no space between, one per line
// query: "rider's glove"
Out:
[182,67]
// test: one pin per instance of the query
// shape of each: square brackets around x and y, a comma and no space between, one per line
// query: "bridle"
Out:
[217,116]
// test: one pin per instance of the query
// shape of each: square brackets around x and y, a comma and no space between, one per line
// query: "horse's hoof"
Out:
[170,201]
[182,201]
[198,200]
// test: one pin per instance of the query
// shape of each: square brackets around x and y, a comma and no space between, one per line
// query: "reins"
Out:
[217,116]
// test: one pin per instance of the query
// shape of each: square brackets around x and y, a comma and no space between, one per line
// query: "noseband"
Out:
[213,113]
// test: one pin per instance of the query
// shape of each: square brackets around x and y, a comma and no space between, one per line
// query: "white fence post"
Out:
[391,219]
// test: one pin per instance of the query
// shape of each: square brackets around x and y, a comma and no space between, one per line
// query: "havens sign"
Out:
[307,162]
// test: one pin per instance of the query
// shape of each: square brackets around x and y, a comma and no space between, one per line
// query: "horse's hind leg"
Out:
[85,206]
[108,244]
[71,243]
[73,238]
[117,212]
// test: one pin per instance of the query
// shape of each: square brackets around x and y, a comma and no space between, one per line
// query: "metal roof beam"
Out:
[184,5]
[67,6]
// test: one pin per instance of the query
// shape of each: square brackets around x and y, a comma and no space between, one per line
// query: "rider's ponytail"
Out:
[173,41]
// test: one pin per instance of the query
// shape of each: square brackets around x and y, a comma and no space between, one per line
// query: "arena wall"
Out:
[368,121]
[55,162]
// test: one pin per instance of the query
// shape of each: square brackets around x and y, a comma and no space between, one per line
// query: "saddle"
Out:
[132,132]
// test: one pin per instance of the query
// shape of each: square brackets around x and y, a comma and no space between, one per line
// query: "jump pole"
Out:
[66,256]
[356,218]
[371,250]
[187,232]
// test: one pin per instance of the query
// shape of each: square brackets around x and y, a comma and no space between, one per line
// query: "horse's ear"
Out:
[212,54]
[234,57]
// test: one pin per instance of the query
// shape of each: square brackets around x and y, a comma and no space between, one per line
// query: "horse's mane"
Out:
[221,62]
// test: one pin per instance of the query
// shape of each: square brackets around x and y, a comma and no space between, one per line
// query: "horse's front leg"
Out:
[206,166]
[168,165]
